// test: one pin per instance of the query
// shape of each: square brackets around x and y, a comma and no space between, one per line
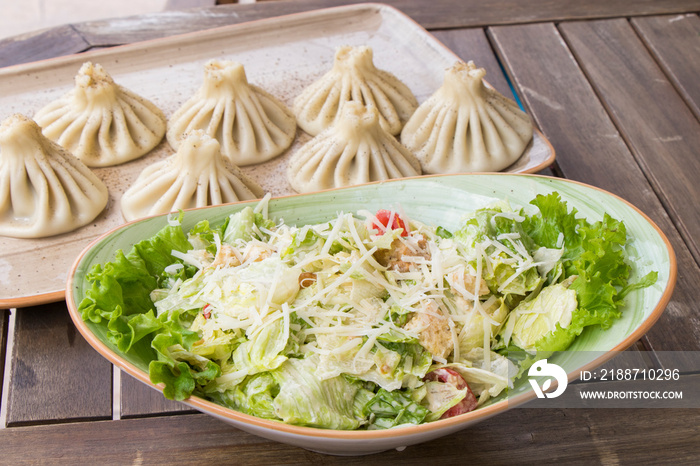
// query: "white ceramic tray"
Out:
[282,55]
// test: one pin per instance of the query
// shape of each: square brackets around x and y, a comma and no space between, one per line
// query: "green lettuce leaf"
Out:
[393,408]
[119,295]
[255,396]
[593,252]
[181,370]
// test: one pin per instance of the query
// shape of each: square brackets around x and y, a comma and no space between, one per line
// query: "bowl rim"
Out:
[482,413]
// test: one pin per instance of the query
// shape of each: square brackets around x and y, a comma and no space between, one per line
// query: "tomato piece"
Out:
[447,375]
[384,216]
[206,311]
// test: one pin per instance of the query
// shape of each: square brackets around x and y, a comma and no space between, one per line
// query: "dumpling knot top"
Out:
[356,149]
[44,190]
[197,175]
[101,122]
[354,78]
[467,127]
[251,125]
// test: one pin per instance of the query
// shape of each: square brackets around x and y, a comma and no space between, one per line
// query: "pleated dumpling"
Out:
[251,125]
[101,122]
[44,190]
[354,78]
[197,175]
[466,127]
[356,149]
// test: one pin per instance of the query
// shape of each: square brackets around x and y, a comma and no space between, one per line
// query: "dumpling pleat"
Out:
[280,128]
[507,130]
[326,92]
[389,117]
[465,126]
[195,116]
[249,131]
[356,149]
[140,134]
[61,120]
[495,135]
[134,125]
[403,107]
[47,190]
[444,133]
[197,175]
[74,131]
[354,78]
[347,164]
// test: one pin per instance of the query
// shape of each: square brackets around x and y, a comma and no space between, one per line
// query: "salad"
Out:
[369,320]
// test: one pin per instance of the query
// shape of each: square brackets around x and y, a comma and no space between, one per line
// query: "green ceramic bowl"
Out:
[437,200]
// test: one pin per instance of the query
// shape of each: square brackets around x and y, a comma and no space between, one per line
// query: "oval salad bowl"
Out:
[441,200]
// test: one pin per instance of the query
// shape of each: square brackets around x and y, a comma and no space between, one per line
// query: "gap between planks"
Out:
[116,393]
[8,367]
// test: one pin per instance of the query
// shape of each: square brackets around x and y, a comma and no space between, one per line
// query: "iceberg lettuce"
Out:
[246,225]
[534,319]
[307,400]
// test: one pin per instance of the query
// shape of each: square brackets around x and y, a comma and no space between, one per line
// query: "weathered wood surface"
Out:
[674,41]
[138,399]
[41,45]
[657,125]
[591,149]
[522,436]
[441,14]
[55,375]
[610,94]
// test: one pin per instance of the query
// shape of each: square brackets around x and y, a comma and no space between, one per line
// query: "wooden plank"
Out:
[590,149]
[49,43]
[657,125]
[441,14]
[532,436]
[473,44]
[55,375]
[138,399]
[674,41]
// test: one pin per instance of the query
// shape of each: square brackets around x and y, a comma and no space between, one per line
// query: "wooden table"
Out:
[612,84]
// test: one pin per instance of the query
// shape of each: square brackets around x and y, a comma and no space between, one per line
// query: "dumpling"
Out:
[251,125]
[197,175]
[356,149]
[44,190]
[101,122]
[354,78]
[467,127]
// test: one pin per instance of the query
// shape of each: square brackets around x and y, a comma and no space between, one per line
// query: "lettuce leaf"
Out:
[306,400]
[489,223]
[181,370]
[592,252]
[245,225]
[390,409]
[255,396]
[119,295]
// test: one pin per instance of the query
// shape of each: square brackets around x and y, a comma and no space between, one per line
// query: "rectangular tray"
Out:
[282,55]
